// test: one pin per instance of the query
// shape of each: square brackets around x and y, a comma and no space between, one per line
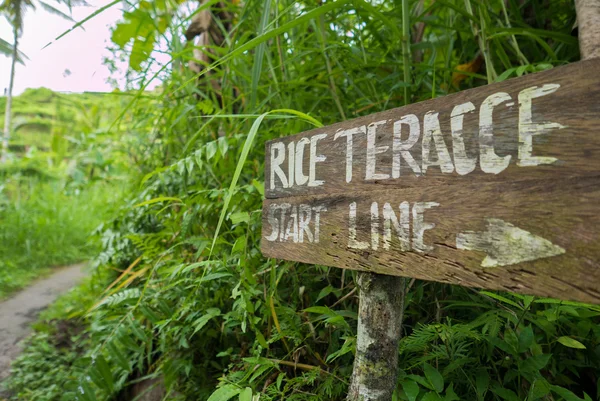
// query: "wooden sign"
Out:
[496,187]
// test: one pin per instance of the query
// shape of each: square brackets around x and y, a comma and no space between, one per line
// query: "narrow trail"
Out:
[19,311]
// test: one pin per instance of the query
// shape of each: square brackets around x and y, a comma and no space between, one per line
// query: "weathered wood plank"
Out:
[536,237]
[540,126]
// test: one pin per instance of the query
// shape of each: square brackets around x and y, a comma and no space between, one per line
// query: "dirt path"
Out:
[19,311]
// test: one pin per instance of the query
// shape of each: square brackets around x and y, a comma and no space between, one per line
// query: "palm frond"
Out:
[14,12]
[53,10]
[6,49]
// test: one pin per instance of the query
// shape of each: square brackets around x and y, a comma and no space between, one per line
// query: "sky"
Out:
[80,52]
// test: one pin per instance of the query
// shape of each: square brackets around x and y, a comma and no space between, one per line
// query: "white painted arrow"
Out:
[506,244]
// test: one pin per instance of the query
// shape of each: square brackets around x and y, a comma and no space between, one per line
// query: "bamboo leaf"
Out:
[157,200]
[242,160]
[86,19]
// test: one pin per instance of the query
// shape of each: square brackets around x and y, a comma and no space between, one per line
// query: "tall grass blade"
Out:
[242,160]
[260,54]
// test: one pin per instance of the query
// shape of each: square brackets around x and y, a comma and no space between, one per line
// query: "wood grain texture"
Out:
[575,105]
[505,197]
[588,21]
[378,332]
[563,211]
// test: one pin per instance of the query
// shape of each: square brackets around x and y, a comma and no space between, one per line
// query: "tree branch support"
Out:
[380,315]
[588,21]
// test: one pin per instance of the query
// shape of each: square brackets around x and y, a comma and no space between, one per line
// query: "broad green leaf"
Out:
[260,187]
[482,382]
[223,145]
[450,394]
[504,393]
[123,33]
[324,292]
[411,389]
[246,394]
[434,377]
[566,394]
[319,309]
[525,339]
[432,396]
[422,381]
[510,337]
[534,363]
[261,339]
[239,217]
[570,342]
[204,319]
[225,393]
[539,389]
[211,150]
[96,377]
[149,313]
[152,174]
[137,331]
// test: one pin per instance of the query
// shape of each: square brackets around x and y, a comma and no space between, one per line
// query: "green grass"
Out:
[44,224]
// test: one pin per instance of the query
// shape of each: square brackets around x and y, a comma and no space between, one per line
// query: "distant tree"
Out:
[14,11]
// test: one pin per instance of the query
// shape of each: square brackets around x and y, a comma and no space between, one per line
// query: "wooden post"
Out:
[380,315]
[588,20]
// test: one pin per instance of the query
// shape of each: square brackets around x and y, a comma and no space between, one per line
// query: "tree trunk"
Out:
[206,33]
[588,20]
[380,315]
[8,110]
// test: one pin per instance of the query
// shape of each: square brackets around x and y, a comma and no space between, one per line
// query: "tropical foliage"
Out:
[65,180]
[182,294]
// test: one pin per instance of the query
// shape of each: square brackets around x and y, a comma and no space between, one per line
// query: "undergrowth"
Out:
[44,224]
[52,356]
[64,177]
